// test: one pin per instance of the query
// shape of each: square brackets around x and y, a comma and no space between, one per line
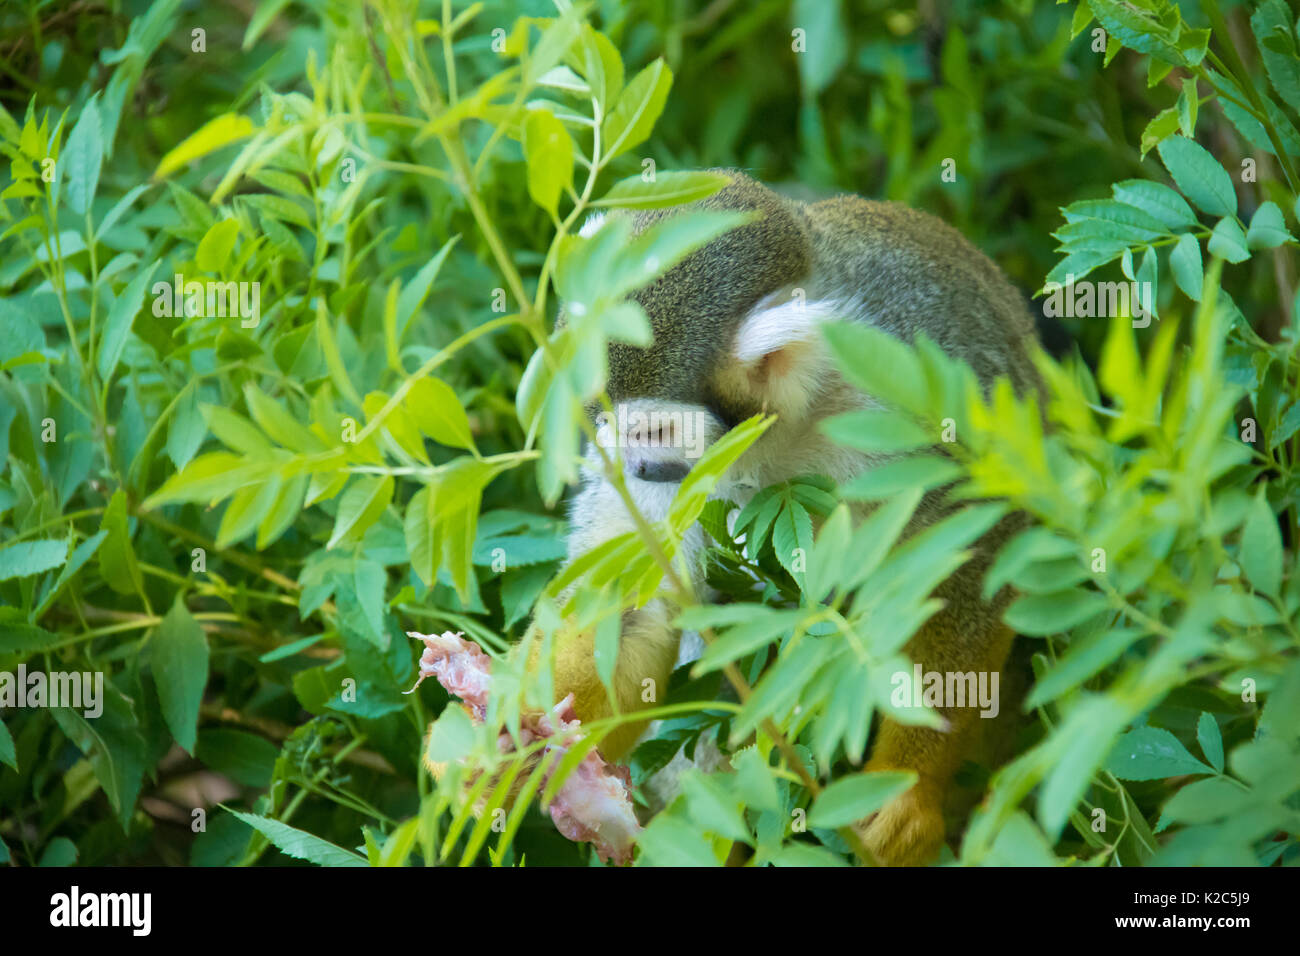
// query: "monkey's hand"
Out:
[594,803]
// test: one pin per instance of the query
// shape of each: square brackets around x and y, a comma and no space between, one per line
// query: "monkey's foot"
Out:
[907,831]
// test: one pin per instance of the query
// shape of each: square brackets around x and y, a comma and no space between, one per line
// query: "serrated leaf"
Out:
[1267,228]
[1228,241]
[300,844]
[1150,753]
[1260,553]
[1185,263]
[1199,175]
[32,557]
[1211,740]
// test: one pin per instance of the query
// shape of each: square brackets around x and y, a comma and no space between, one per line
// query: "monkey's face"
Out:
[772,360]
[734,333]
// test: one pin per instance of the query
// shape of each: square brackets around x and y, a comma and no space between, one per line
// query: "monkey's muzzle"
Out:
[649,469]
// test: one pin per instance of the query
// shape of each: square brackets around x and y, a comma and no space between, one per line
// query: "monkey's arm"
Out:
[648,643]
[647,652]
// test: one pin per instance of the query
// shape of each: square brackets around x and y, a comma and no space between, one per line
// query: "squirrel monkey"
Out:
[736,332]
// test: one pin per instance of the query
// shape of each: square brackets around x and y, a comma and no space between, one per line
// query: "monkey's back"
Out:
[906,271]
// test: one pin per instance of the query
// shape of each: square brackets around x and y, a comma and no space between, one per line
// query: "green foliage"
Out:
[231,499]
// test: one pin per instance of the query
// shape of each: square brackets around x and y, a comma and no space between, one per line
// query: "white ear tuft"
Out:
[780,352]
[593,223]
[771,328]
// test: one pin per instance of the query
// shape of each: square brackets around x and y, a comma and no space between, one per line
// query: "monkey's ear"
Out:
[593,223]
[780,352]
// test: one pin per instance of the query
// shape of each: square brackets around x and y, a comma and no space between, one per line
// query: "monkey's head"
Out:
[733,333]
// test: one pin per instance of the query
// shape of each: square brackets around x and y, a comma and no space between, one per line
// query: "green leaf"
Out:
[246,509]
[1272,25]
[668,841]
[634,115]
[888,480]
[261,19]
[451,737]
[438,413]
[421,544]
[282,512]
[82,157]
[274,419]
[763,626]
[215,247]
[1136,28]
[329,347]
[1228,241]
[179,659]
[665,189]
[120,318]
[234,430]
[1163,125]
[825,43]
[417,290]
[711,807]
[32,557]
[8,755]
[1185,263]
[1157,200]
[186,428]
[1199,175]
[1084,659]
[878,430]
[1188,103]
[243,757]
[1041,614]
[1020,843]
[300,844]
[360,507]
[1267,228]
[117,564]
[208,479]
[1260,553]
[878,363]
[856,796]
[548,151]
[216,133]
[792,539]
[805,854]
[1149,753]
[1211,741]
[58,852]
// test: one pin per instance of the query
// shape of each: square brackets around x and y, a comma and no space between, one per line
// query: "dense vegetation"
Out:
[235,518]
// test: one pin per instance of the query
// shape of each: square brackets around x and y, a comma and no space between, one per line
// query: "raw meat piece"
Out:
[595,803]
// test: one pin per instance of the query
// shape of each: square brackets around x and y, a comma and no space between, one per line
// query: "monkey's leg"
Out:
[908,831]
